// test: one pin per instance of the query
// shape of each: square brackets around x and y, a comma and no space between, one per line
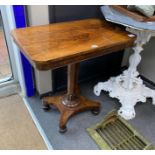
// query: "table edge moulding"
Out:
[69,43]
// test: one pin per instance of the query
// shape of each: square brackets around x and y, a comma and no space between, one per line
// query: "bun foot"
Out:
[95,111]
[63,130]
[46,107]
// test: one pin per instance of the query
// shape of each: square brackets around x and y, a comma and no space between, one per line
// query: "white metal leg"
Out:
[128,87]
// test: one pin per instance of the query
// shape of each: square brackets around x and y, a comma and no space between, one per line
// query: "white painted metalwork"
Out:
[128,87]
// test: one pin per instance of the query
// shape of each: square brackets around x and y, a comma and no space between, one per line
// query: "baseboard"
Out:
[9,90]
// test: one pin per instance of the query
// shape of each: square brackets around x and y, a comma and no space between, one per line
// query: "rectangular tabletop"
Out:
[55,45]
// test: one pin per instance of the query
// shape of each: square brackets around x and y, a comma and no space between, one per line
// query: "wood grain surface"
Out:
[55,45]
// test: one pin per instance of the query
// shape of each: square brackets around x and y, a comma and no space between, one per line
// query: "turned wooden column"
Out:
[65,48]
[72,99]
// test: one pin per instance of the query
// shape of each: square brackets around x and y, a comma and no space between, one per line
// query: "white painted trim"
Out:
[6,29]
[7,78]
[9,24]
[40,129]
[10,89]
[7,83]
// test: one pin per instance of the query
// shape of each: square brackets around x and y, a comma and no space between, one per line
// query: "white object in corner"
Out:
[38,15]
[128,87]
[43,81]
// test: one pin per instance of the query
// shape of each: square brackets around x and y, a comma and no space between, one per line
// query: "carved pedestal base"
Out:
[128,87]
[67,112]
[127,97]
[70,103]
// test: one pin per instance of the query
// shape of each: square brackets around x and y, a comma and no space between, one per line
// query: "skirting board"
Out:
[9,90]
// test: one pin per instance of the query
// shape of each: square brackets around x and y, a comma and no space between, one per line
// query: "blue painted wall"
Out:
[20,20]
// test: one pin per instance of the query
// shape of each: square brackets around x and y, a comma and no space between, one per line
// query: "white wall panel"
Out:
[38,15]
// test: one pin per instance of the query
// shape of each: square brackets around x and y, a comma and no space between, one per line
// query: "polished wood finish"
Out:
[73,72]
[67,112]
[68,43]
[55,45]
[71,99]
[70,103]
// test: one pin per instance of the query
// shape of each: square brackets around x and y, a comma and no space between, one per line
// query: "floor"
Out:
[5,70]
[17,130]
[76,138]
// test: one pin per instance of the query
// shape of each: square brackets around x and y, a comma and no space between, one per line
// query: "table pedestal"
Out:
[128,87]
[70,103]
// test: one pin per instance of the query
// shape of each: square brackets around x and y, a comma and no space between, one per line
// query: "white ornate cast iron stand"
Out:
[128,87]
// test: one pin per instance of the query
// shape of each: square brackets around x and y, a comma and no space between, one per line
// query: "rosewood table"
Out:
[68,43]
